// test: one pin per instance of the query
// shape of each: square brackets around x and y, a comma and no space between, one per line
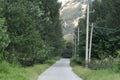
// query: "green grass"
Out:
[8,72]
[88,74]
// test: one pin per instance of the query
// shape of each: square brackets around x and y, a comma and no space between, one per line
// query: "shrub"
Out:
[118,67]
[4,67]
[73,61]
[4,41]
[26,61]
[108,63]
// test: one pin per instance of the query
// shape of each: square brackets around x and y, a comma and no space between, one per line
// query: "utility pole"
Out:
[90,42]
[87,36]
[75,45]
[78,34]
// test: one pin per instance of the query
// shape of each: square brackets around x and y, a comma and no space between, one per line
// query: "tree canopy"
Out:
[34,30]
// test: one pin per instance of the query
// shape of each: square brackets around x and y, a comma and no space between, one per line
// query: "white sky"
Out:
[63,1]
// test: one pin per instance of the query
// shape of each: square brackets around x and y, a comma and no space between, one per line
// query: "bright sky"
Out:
[63,1]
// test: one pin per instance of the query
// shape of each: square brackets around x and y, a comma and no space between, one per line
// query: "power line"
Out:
[105,28]
[108,30]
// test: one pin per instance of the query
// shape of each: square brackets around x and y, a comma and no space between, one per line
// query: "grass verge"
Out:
[88,74]
[8,72]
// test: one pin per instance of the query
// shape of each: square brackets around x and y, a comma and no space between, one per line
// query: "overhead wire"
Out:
[108,30]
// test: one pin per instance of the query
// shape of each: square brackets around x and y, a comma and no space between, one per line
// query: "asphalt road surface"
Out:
[61,70]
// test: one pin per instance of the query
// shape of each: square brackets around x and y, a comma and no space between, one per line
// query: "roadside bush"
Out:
[77,60]
[73,61]
[4,41]
[4,67]
[118,63]
[43,54]
[118,67]
[108,63]
[26,61]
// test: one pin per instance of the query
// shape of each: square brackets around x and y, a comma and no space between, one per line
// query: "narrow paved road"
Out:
[61,70]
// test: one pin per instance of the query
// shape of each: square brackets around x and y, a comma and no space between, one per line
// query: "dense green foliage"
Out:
[4,40]
[68,50]
[106,38]
[81,45]
[33,33]
[52,30]
[106,34]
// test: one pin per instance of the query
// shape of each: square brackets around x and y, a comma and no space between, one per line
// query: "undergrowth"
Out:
[17,72]
[97,71]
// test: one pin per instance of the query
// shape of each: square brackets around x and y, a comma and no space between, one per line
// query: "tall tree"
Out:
[52,30]
[34,28]
[22,27]
[107,27]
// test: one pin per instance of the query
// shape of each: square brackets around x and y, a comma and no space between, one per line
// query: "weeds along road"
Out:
[61,70]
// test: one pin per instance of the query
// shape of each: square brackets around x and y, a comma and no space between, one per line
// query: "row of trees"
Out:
[32,29]
[106,34]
